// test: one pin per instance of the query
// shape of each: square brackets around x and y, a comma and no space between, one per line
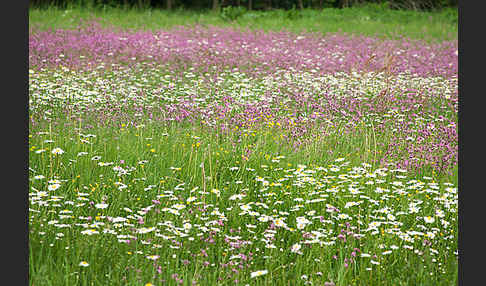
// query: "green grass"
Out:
[165,155]
[175,147]
[368,20]
[253,160]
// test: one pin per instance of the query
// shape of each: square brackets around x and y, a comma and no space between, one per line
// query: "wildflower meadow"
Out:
[217,155]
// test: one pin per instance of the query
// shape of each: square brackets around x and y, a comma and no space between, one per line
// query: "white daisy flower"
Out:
[179,206]
[263,218]
[279,222]
[83,264]
[343,216]
[245,207]
[258,273]
[53,187]
[236,197]
[187,226]
[118,219]
[445,223]
[144,230]
[350,204]
[101,206]
[153,257]
[89,232]
[301,225]
[295,248]
[216,192]
[439,213]
[57,151]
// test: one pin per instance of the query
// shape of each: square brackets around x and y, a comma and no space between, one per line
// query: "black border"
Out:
[15,130]
[471,52]
[461,124]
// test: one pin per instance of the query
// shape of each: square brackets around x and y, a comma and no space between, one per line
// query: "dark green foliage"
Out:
[451,14]
[293,14]
[230,13]
[421,5]
[417,5]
